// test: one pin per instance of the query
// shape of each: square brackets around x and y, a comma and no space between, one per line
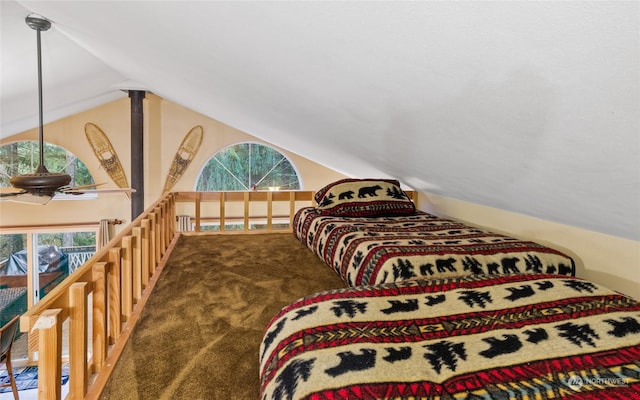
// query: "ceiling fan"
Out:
[40,186]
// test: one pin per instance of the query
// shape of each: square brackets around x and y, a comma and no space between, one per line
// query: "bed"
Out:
[369,232]
[508,336]
[439,309]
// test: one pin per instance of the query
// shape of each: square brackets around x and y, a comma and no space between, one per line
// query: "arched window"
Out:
[248,166]
[23,158]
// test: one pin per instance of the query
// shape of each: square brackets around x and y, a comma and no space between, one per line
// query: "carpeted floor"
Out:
[199,335]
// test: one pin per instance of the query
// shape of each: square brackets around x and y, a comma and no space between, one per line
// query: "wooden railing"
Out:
[108,292]
[242,209]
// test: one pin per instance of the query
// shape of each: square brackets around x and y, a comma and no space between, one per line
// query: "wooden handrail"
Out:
[287,199]
[98,277]
[120,277]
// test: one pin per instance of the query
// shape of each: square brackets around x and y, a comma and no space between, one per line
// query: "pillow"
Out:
[320,193]
[364,198]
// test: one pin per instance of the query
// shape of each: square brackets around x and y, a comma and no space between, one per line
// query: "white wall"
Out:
[608,260]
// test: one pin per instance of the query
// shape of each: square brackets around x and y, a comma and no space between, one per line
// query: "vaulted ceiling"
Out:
[531,107]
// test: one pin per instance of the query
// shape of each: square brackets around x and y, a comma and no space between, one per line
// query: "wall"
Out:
[69,133]
[177,121]
[166,124]
[604,259]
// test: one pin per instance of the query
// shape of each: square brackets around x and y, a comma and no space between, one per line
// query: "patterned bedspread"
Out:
[367,251]
[522,336]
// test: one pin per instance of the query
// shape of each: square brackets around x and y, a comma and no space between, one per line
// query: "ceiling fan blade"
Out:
[119,190]
[25,197]
[79,190]
[10,192]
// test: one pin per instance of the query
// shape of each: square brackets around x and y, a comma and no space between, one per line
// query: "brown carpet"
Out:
[198,336]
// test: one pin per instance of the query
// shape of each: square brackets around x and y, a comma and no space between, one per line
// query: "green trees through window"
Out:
[23,157]
[248,166]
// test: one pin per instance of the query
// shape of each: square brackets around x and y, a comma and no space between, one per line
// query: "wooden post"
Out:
[115,305]
[269,211]
[136,269]
[146,247]
[49,328]
[197,205]
[157,234]
[246,211]
[152,241]
[100,340]
[126,278]
[292,209]
[78,339]
[140,257]
[222,222]
[160,221]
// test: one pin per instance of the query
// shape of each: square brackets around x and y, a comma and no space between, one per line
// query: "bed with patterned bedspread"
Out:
[513,336]
[369,232]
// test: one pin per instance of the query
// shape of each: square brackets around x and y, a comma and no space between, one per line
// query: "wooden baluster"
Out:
[145,226]
[269,211]
[49,326]
[136,269]
[161,229]
[197,206]
[152,241]
[126,278]
[100,340]
[222,212]
[246,211]
[168,223]
[292,209]
[156,234]
[114,298]
[78,339]
[139,255]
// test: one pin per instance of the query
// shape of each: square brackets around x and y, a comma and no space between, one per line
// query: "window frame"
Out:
[284,156]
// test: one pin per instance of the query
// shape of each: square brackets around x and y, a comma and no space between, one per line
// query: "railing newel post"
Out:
[49,329]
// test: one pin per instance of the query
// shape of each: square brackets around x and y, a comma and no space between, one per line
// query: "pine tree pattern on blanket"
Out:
[510,336]
[369,251]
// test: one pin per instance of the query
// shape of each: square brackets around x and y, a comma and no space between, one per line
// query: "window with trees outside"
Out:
[23,158]
[247,167]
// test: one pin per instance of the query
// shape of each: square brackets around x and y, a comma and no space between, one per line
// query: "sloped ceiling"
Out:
[531,107]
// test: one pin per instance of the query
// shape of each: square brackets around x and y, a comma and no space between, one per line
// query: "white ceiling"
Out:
[531,107]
